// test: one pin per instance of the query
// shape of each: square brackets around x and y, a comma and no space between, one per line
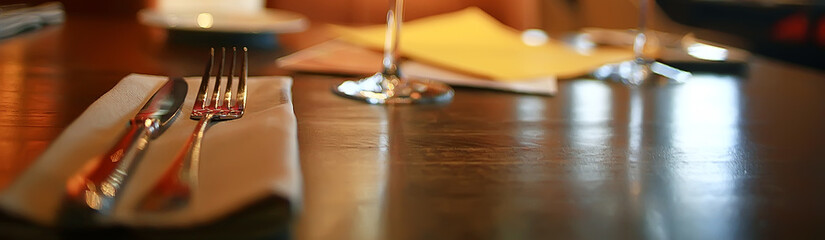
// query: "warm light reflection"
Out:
[534,37]
[11,82]
[346,199]
[92,200]
[108,188]
[707,52]
[12,74]
[205,20]
[28,83]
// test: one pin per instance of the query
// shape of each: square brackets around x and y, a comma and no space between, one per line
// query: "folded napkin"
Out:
[471,41]
[243,160]
[344,58]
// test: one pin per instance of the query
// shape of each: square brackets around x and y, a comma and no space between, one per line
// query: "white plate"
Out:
[265,21]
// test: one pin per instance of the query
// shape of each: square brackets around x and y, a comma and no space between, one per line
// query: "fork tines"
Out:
[229,106]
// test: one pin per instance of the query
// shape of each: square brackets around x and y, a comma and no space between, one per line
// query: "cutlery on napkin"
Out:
[95,189]
[244,161]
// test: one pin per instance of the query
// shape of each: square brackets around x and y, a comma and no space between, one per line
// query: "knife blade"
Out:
[97,185]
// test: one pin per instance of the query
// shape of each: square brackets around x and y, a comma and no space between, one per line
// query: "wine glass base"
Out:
[389,89]
[638,72]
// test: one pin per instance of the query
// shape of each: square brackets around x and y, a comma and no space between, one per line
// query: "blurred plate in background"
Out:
[265,21]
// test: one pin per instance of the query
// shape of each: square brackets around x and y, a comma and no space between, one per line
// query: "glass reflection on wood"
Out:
[346,199]
[703,115]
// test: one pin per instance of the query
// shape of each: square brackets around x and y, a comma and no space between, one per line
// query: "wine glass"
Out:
[642,68]
[389,86]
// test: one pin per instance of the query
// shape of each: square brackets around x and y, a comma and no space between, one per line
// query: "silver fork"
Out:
[174,189]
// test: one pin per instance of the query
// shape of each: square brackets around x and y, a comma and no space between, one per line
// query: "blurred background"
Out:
[791,30]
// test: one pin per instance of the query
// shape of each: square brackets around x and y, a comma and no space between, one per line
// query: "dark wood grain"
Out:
[720,157]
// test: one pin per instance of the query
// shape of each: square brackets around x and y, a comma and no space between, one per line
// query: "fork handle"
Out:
[173,191]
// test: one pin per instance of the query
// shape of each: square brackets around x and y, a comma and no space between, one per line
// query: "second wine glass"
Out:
[389,86]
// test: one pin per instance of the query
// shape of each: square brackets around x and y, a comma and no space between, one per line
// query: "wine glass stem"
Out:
[394,19]
[641,38]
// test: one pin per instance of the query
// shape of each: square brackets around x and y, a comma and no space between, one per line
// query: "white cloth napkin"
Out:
[243,160]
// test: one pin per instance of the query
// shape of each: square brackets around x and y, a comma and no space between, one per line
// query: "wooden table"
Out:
[719,157]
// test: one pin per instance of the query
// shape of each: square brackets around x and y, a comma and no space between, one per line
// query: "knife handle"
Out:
[97,185]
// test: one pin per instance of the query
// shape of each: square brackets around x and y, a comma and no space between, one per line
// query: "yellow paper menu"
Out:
[473,42]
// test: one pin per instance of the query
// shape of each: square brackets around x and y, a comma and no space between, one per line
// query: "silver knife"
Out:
[97,186]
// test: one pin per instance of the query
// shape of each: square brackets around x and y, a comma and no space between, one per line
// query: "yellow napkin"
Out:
[473,42]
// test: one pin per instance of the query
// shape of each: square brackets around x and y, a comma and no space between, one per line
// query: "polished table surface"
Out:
[719,157]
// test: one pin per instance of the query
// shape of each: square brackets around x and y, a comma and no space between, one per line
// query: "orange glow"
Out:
[12,74]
